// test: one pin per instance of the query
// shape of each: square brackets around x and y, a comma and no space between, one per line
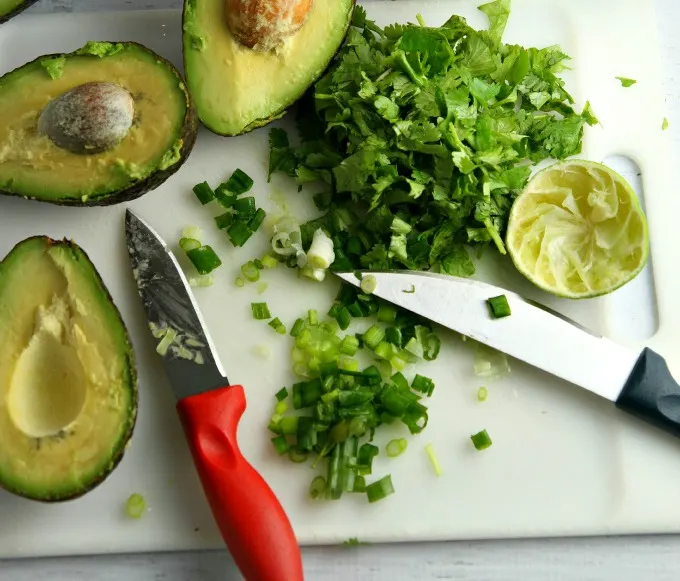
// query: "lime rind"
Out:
[577,230]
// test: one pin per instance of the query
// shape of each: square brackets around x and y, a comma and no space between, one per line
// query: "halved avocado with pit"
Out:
[237,88]
[10,8]
[68,382]
[102,125]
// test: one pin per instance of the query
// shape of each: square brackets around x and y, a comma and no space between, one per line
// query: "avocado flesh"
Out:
[237,89]
[10,8]
[68,390]
[162,135]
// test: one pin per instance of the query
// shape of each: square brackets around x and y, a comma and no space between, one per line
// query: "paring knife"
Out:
[248,514]
[638,382]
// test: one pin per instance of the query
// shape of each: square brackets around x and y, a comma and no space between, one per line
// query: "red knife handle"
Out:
[251,519]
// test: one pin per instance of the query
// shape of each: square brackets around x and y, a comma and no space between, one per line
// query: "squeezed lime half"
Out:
[577,230]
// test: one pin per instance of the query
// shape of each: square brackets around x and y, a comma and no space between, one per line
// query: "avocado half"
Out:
[68,382]
[160,139]
[237,89]
[10,8]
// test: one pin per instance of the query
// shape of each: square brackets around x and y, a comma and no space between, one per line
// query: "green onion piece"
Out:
[317,487]
[239,282]
[297,327]
[239,182]
[423,385]
[359,484]
[204,193]
[239,233]
[387,313]
[482,393]
[201,281]
[306,393]
[282,394]
[306,434]
[250,271]
[297,456]
[365,458]
[187,244]
[224,220]
[256,221]
[262,287]
[429,450]
[385,350]
[343,318]
[192,232]
[396,447]
[289,425]
[373,336]
[165,342]
[281,408]
[368,284]
[268,261]
[280,445]
[275,424]
[225,198]
[312,317]
[499,306]
[135,506]
[380,489]
[393,335]
[260,311]
[349,345]
[204,259]
[245,206]
[481,440]
[399,380]
[278,326]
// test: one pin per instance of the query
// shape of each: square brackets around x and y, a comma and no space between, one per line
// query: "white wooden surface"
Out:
[632,558]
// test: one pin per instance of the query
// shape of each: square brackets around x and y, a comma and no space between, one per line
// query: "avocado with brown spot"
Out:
[98,126]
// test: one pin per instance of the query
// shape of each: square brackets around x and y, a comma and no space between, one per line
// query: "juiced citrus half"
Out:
[577,230]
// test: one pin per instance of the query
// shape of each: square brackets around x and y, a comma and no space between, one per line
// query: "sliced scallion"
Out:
[239,232]
[204,259]
[282,394]
[224,220]
[278,326]
[317,488]
[239,182]
[204,193]
[499,306]
[429,450]
[396,447]
[239,282]
[135,506]
[187,244]
[245,206]
[268,261]
[280,445]
[201,281]
[260,311]
[166,341]
[482,393]
[368,284]
[481,440]
[380,489]
[250,271]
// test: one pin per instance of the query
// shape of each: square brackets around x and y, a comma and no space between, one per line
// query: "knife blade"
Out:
[251,519]
[637,381]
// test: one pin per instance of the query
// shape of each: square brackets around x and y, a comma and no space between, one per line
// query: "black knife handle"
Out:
[652,394]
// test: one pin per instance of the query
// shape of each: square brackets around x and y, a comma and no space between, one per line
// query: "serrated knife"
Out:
[637,381]
[252,521]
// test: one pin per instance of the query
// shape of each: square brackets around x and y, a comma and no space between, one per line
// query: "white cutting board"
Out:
[562,463]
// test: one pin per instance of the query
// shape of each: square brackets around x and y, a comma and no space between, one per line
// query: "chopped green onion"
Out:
[281,408]
[306,393]
[204,193]
[368,284]
[201,281]
[499,306]
[268,261]
[481,440]
[262,287]
[387,313]
[380,489]
[320,254]
[423,385]
[135,506]
[225,198]
[239,182]
[312,317]
[280,445]
[224,220]
[245,206]
[393,335]
[396,447]
[373,336]
[278,326]
[359,483]
[204,259]
[256,221]
[260,311]
[239,282]
[343,318]
[192,232]
[482,393]
[282,394]
[399,380]
[429,450]
[297,456]
[349,345]
[490,363]
[187,244]
[250,271]
[297,327]
[166,341]
[365,458]
[239,233]
[317,487]
[289,425]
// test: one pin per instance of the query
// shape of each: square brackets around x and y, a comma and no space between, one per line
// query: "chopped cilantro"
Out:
[626,82]
[422,137]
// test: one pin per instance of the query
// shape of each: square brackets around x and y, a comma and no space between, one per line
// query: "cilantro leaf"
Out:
[626,82]
[498,13]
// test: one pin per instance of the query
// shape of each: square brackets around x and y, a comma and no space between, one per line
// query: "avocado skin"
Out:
[137,189]
[18,10]
[257,123]
[131,416]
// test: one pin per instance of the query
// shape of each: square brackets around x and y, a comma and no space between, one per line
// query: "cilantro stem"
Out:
[495,236]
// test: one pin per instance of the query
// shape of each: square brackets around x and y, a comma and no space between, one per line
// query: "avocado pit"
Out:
[264,25]
[90,118]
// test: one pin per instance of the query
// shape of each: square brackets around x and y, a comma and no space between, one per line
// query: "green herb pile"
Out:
[424,136]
